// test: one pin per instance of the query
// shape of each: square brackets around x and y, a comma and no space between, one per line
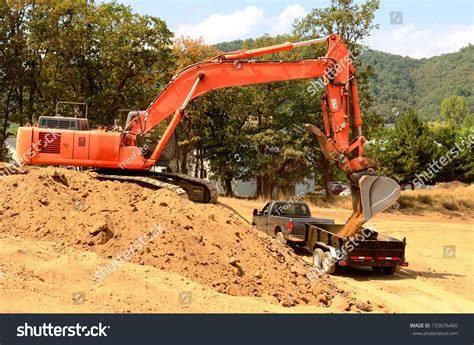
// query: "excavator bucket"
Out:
[376,194]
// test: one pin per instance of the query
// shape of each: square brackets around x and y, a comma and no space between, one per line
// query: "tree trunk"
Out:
[31,96]
[183,167]
[258,192]
[325,173]
[196,163]
[228,187]
[267,187]
[6,116]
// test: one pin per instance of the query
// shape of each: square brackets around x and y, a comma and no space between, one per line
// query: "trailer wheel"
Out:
[280,238]
[318,257]
[389,270]
[377,269]
[329,264]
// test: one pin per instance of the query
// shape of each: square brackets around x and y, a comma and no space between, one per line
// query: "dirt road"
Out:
[440,252]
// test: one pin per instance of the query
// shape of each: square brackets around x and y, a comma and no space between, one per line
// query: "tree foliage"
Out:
[454,108]
[104,55]
[407,149]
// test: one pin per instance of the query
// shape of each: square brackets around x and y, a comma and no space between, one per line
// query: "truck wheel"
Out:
[389,270]
[280,238]
[329,264]
[318,256]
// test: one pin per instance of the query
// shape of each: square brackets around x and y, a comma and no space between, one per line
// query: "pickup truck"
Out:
[292,222]
[286,220]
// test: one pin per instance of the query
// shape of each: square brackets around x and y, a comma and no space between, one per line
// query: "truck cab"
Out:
[285,220]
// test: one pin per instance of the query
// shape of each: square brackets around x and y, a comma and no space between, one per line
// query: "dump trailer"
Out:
[367,248]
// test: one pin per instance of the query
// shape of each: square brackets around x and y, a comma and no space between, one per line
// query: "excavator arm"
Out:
[237,68]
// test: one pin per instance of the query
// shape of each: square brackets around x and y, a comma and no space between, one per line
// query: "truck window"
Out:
[265,210]
[287,209]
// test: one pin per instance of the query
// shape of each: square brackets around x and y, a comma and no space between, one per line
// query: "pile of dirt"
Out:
[7,169]
[125,222]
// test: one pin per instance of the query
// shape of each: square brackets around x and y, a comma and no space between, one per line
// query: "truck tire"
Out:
[329,265]
[280,238]
[318,256]
[389,270]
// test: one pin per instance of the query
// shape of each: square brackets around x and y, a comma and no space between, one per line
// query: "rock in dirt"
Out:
[339,302]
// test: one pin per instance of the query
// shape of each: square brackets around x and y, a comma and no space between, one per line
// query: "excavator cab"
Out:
[148,142]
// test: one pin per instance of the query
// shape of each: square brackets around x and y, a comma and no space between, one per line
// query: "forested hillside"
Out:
[399,83]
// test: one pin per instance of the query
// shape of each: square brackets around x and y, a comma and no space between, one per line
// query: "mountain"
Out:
[399,83]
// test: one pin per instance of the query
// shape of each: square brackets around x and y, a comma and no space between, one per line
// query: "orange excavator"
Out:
[131,153]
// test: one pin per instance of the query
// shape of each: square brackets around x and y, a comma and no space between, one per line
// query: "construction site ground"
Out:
[72,243]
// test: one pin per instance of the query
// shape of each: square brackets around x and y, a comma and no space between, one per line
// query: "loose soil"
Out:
[126,247]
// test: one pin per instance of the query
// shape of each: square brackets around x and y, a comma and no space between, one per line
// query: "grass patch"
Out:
[460,199]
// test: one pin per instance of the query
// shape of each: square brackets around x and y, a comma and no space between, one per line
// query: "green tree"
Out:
[455,150]
[13,51]
[102,54]
[454,108]
[352,22]
[407,149]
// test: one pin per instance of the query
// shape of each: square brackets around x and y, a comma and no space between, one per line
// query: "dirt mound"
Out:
[125,222]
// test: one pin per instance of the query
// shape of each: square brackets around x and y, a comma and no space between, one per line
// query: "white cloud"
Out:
[283,23]
[245,23]
[219,27]
[406,40]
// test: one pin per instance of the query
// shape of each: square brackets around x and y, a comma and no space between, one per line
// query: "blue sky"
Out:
[428,28]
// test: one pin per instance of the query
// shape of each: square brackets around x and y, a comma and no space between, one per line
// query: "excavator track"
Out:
[196,189]
[149,181]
